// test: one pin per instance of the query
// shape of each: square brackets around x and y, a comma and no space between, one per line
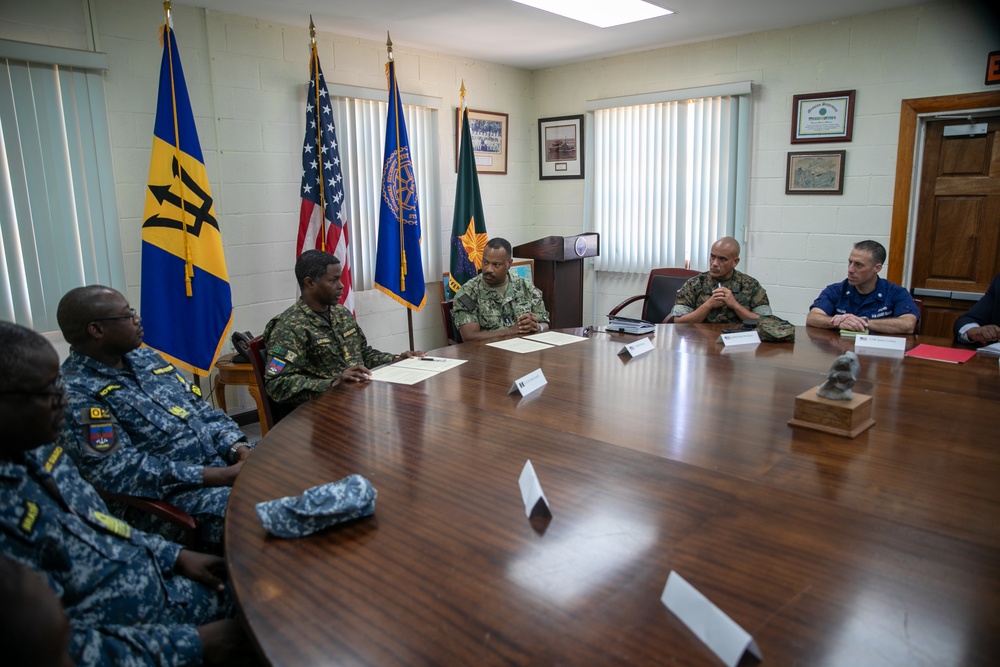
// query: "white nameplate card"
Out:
[533,381]
[711,625]
[641,346]
[880,342]
[535,502]
[740,338]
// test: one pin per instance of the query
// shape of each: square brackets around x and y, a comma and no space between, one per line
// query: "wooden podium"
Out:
[559,273]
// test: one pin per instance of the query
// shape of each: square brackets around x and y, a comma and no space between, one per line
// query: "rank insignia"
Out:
[178,411]
[275,366]
[290,356]
[163,371]
[113,525]
[196,390]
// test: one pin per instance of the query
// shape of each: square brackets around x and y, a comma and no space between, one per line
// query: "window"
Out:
[58,214]
[668,176]
[361,125]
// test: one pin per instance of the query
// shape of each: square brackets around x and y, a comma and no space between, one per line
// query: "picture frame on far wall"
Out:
[823,117]
[560,147]
[815,173]
[489,140]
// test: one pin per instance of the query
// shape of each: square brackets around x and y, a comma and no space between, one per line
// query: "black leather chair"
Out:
[454,336]
[661,292]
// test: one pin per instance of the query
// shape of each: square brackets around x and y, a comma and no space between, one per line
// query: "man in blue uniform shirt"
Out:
[135,426]
[865,302]
[981,324]
[132,598]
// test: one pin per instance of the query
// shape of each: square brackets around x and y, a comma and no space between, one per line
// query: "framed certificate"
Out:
[823,117]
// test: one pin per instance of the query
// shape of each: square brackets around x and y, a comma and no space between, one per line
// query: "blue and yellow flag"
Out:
[398,268]
[187,304]
[468,227]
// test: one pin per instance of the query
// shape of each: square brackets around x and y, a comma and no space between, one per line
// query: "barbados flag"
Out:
[399,270]
[187,304]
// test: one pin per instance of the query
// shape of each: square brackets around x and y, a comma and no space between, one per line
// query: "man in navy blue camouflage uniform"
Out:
[132,598]
[135,426]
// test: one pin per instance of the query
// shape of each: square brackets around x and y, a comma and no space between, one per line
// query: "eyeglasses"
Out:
[134,316]
[54,390]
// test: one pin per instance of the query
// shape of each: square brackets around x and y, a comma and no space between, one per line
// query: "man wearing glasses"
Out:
[131,597]
[135,426]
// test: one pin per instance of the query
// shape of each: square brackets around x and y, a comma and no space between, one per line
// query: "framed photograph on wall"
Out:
[815,173]
[489,140]
[560,147]
[823,117]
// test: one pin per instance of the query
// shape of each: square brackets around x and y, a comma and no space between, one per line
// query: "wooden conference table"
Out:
[878,550]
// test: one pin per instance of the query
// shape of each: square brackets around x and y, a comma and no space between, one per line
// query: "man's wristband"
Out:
[238,445]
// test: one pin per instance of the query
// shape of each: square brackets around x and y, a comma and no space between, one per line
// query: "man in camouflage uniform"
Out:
[131,597]
[135,425]
[497,303]
[721,295]
[316,342]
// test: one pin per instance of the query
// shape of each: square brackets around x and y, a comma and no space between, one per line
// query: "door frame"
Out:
[909,129]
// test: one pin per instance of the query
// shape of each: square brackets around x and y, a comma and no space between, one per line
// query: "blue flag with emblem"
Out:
[187,303]
[399,270]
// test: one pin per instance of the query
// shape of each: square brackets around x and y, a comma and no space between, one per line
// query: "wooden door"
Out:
[957,244]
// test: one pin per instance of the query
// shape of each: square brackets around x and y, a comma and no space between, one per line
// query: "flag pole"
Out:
[399,191]
[188,263]
[314,58]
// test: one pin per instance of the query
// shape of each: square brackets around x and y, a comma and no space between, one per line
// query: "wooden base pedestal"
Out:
[844,418]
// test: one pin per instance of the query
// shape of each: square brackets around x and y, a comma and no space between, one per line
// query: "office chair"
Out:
[273,411]
[453,335]
[162,510]
[661,292]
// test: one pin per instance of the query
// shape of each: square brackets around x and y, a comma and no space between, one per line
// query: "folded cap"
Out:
[319,507]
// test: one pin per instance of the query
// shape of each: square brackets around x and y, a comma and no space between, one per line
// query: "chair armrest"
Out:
[158,508]
[632,299]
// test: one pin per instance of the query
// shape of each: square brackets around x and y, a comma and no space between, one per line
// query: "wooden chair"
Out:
[273,411]
[453,334]
[162,510]
[920,316]
[661,292]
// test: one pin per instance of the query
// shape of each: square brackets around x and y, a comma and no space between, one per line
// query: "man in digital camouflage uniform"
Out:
[135,426]
[317,342]
[721,295]
[131,597]
[498,303]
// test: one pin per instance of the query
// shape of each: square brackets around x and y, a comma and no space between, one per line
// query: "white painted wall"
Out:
[246,80]
[796,244]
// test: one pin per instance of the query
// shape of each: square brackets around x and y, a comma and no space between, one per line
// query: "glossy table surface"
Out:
[878,550]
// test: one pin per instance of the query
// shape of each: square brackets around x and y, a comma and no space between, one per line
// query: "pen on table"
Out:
[431,359]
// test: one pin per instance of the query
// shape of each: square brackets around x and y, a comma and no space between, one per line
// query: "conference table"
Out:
[883,549]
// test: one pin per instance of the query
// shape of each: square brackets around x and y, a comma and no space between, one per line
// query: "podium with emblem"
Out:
[559,273]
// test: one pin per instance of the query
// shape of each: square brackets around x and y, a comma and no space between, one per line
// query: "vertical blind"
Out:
[361,132]
[58,214]
[665,181]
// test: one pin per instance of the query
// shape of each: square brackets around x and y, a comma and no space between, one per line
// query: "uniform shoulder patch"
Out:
[274,367]
[163,370]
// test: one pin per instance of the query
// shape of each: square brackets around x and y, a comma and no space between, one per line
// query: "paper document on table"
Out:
[414,370]
[432,364]
[520,345]
[993,349]
[555,338]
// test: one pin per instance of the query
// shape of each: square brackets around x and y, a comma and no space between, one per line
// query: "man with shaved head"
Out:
[722,294]
[135,425]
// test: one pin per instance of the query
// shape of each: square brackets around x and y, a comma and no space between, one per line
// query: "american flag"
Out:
[323,180]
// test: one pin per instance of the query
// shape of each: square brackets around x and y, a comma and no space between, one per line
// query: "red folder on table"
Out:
[937,353]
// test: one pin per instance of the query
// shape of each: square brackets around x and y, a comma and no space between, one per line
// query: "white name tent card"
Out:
[641,346]
[533,381]
[880,342]
[535,502]
[711,625]
[740,338]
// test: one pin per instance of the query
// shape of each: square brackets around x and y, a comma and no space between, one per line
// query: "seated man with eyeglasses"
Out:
[131,598]
[135,426]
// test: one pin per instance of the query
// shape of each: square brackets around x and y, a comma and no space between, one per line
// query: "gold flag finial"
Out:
[312,29]
[388,44]
[462,91]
